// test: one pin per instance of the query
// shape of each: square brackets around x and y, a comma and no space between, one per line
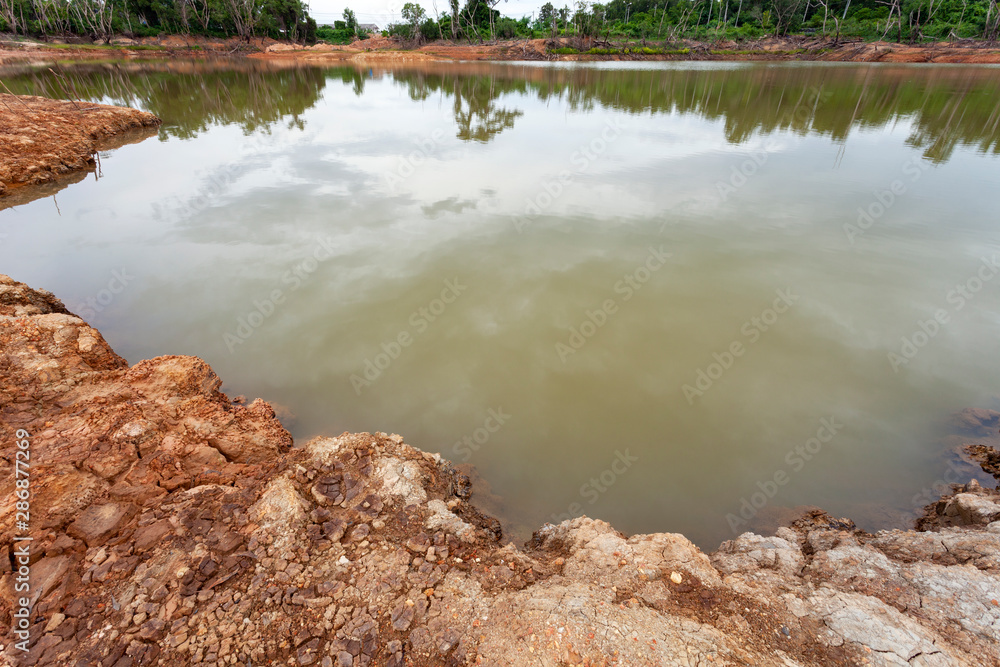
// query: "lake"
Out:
[679,297]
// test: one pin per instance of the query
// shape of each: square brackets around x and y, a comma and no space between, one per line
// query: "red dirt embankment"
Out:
[391,49]
[772,49]
[43,139]
[22,50]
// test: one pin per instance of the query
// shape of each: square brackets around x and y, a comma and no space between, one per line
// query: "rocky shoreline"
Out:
[174,526]
[44,141]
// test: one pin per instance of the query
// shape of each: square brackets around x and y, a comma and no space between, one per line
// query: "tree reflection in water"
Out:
[946,106]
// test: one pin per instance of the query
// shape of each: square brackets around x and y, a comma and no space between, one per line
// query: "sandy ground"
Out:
[381,49]
[44,141]
[19,50]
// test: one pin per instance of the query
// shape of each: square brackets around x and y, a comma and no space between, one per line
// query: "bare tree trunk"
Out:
[992,22]
[7,11]
[39,7]
[244,13]
[659,30]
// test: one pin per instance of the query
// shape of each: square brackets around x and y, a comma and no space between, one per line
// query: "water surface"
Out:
[644,292]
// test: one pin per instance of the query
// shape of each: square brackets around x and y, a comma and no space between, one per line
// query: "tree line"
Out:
[102,19]
[672,20]
[480,20]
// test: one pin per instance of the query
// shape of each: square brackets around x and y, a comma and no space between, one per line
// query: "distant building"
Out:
[368,27]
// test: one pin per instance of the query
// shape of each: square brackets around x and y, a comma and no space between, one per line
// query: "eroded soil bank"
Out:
[392,49]
[172,525]
[772,49]
[44,141]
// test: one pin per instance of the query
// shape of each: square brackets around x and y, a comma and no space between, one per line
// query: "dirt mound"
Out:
[173,526]
[376,42]
[43,139]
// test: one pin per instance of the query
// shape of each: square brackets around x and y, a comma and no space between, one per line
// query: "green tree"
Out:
[430,30]
[564,16]
[414,15]
[546,20]
[350,21]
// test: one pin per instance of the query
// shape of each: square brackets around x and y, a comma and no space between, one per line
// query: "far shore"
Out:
[795,48]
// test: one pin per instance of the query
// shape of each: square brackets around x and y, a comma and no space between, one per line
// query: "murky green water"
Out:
[640,292]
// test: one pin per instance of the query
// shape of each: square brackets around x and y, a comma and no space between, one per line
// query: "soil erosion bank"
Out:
[172,525]
[380,49]
[805,48]
[44,141]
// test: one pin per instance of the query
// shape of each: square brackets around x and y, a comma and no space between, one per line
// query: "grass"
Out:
[107,47]
[624,51]
[755,52]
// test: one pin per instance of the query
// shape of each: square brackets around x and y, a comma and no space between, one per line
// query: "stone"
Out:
[308,653]
[419,543]
[971,510]
[151,535]
[281,511]
[54,622]
[151,629]
[61,545]
[98,522]
[359,532]
[441,518]
[46,575]
[402,616]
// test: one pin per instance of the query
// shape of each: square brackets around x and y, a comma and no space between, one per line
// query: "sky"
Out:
[383,12]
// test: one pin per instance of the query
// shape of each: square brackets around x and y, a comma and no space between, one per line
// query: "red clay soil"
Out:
[391,49]
[123,48]
[43,139]
[772,49]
